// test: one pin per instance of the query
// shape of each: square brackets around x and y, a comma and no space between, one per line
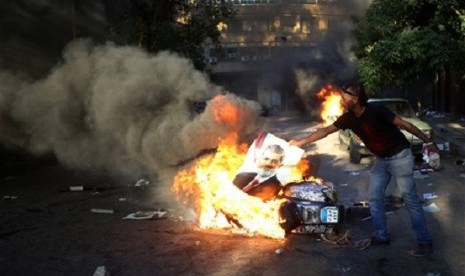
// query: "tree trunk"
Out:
[456,99]
[442,88]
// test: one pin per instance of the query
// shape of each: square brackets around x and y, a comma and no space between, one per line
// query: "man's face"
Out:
[348,101]
[268,163]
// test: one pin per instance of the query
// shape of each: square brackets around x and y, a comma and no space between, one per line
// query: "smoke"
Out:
[119,109]
[332,60]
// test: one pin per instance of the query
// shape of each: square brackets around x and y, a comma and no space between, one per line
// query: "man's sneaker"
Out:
[423,250]
[376,242]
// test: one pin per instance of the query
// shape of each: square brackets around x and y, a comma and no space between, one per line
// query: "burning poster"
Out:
[208,186]
[267,166]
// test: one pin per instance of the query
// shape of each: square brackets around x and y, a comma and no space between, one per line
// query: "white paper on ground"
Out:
[146,215]
[102,211]
[429,195]
[431,208]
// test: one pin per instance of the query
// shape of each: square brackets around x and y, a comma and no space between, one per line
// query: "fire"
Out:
[208,186]
[302,172]
[331,106]
[218,203]
[224,111]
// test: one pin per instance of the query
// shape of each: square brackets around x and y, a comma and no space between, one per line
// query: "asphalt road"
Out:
[45,229]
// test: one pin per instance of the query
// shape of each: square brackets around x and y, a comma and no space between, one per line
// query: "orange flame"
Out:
[302,172]
[218,203]
[225,112]
[331,105]
[208,185]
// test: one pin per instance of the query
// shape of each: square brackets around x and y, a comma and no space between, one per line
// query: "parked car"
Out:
[402,108]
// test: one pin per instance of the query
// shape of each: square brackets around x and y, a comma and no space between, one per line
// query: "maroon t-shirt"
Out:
[376,129]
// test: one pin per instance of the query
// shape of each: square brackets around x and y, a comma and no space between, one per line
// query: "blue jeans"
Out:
[399,166]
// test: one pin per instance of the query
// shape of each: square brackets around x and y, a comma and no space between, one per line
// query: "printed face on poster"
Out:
[270,155]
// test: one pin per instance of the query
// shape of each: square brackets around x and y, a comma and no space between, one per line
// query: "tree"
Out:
[399,41]
[181,26]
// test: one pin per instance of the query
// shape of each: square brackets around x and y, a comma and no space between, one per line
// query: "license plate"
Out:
[329,214]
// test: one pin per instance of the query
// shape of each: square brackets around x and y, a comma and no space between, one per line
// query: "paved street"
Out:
[48,230]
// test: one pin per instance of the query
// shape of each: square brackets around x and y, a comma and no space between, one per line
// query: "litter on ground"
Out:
[431,208]
[146,215]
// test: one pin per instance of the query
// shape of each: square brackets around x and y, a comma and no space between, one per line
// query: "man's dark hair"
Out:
[357,90]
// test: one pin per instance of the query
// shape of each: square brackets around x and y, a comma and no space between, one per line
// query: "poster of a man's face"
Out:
[269,161]
[267,166]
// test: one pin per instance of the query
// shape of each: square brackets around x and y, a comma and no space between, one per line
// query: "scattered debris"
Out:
[344,270]
[429,195]
[9,197]
[435,114]
[102,211]
[197,243]
[344,240]
[343,184]
[142,183]
[121,199]
[431,208]
[101,271]
[146,215]
[279,251]
[431,158]
[354,173]
[84,188]
[444,147]
[76,188]
[434,161]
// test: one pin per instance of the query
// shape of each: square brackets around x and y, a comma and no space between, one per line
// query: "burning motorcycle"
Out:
[311,207]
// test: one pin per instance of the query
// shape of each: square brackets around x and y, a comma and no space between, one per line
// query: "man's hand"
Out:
[432,147]
[295,143]
[314,136]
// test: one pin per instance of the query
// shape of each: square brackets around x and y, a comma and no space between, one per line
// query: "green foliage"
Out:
[181,26]
[400,40]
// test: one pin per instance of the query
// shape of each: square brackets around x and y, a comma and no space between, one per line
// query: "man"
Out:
[263,182]
[378,128]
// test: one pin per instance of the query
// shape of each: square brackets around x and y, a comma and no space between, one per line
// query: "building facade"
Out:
[262,43]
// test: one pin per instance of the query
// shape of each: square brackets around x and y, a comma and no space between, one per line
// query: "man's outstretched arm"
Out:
[401,123]
[315,136]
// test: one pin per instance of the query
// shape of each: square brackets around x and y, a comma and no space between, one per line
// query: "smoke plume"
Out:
[331,61]
[119,109]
